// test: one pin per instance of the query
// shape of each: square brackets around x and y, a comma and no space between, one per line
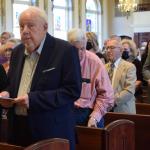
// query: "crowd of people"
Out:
[57,84]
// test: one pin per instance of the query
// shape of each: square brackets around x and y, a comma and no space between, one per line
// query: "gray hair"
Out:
[116,37]
[76,34]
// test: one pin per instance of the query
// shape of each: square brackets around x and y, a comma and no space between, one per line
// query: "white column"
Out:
[8,16]
[107,18]
[41,4]
[76,13]
[50,17]
[82,17]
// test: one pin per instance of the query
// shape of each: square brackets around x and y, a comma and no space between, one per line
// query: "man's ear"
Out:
[45,26]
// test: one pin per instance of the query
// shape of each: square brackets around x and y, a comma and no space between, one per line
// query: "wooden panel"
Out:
[4,130]
[139,38]
[142,127]
[143,7]
[50,144]
[143,108]
[5,146]
[120,135]
[89,138]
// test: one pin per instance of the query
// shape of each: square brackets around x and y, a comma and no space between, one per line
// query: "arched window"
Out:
[62,18]
[93,18]
[18,7]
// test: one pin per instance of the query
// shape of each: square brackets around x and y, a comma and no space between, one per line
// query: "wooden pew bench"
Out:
[143,108]
[118,135]
[50,144]
[47,144]
[6,146]
[142,127]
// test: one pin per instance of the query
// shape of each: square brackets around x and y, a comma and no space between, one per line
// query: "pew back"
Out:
[90,138]
[50,144]
[143,108]
[6,146]
[118,135]
[142,127]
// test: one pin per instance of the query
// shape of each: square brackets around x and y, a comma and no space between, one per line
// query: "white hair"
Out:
[76,34]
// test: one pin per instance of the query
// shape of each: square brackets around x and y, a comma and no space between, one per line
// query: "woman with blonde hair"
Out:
[130,54]
[93,46]
[130,49]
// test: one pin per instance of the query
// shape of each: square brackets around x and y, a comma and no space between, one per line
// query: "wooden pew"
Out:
[6,146]
[4,131]
[142,127]
[50,144]
[143,108]
[118,135]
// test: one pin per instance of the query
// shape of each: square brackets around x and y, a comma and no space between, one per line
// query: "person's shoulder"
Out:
[60,42]
[1,66]
[19,46]
[127,64]
[18,50]
[100,55]
[93,57]
[137,61]
[54,40]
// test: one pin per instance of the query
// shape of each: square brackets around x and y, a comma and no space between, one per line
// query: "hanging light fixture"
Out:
[127,6]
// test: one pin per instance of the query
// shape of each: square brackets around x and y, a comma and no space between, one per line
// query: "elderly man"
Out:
[45,80]
[123,77]
[97,95]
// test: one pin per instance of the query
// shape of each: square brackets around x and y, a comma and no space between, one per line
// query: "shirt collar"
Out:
[117,62]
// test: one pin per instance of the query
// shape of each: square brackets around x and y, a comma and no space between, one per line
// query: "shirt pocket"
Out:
[49,79]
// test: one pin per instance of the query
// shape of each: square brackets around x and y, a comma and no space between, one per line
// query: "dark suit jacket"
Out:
[3,85]
[55,86]
[3,78]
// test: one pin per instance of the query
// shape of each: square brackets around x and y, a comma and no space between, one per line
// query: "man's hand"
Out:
[92,122]
[4,94]
[22,101]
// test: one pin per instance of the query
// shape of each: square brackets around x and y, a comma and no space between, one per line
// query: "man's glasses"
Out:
[111,47]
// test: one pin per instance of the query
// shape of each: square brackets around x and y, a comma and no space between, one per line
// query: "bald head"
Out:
[34,12]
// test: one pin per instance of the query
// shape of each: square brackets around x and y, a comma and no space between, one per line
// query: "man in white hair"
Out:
[97,94]
[45,80]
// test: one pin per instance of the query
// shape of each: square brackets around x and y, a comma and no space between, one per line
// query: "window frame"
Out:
[98,19]
[69,16]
